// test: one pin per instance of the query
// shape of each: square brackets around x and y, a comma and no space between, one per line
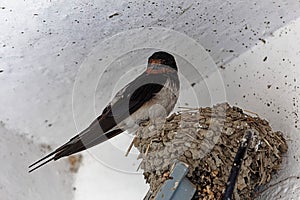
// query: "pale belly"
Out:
[158,107]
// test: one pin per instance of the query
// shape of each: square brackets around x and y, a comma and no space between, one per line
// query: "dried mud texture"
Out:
[207,140]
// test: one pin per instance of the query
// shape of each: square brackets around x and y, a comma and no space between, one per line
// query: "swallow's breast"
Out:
[159,106]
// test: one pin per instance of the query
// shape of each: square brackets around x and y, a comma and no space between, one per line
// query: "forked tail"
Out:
[88,138]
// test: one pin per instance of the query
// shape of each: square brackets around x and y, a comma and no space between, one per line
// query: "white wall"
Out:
[45,45]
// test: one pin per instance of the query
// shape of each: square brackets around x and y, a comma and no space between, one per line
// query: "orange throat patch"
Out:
[161,70]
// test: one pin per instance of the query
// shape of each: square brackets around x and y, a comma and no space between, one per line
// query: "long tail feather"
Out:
[40,165]
[44,158]
[84,140]
[83,144]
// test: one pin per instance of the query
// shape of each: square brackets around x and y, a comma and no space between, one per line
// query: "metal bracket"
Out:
[177,188]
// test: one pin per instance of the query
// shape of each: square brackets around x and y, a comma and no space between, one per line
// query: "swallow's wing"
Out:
[126,102]
[134,95]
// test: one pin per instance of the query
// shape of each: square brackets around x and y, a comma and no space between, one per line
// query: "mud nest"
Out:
[207,140]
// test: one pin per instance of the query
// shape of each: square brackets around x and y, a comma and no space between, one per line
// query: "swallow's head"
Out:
[162,59]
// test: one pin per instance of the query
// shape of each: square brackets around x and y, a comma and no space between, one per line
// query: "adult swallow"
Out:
[151,95]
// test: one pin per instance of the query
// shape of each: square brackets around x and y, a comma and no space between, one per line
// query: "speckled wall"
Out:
[44,45]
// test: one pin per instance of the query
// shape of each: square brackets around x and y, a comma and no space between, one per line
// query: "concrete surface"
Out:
[60,63]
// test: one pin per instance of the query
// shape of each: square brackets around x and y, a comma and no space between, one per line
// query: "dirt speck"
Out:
[75,161]
[222,67]
[265,59]
[113,15]
[263,40]
[45,147]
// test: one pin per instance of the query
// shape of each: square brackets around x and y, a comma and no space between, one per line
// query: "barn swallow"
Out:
[152,95]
